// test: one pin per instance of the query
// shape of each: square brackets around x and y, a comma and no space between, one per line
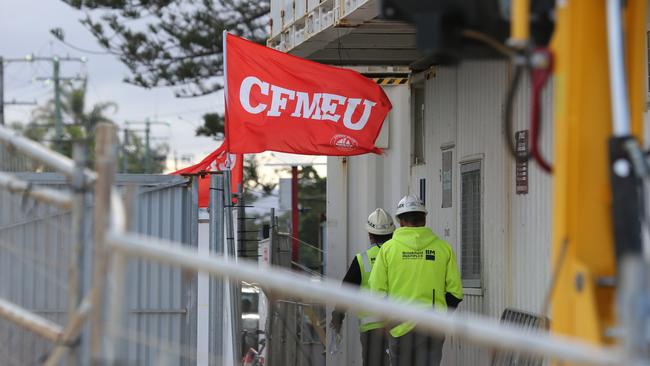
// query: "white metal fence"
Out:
[35,252]
[35,243]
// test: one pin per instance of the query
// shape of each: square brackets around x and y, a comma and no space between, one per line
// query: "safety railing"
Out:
[108,212]
[480,329]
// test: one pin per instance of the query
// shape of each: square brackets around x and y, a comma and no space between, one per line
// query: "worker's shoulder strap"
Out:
[365,260]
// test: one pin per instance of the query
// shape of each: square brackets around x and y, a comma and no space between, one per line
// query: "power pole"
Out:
[2,88]
[124,160]
[2,91]
[56,79]
[147,152]
[147,140]
[56,64]
[295,249]
[58,119]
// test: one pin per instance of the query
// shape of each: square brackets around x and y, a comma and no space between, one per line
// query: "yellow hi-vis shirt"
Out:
[417,267]
[366,260]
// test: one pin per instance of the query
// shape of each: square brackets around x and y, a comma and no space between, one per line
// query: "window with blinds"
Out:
[417,100]
[471,223]
[446,177]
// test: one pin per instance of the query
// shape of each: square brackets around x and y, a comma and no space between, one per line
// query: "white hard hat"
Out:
[380,223]
[410,204]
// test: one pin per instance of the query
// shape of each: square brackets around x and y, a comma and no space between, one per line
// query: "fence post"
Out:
[75,267]
[116,310]
[117,306]
[105,157]
[216,284]
[231,252]
[241,226]
[274,337]
[189,280]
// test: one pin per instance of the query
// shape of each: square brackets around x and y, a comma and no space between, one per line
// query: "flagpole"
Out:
[295,250]
[225,89]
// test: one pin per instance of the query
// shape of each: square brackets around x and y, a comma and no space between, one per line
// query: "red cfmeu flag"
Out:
[280,102]
[216,161]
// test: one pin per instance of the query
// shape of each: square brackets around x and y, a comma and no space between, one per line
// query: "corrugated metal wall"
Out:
[160,298]
[463,114]
[516,228]
[34,251]
[32,275]
[532,218]
[12,162]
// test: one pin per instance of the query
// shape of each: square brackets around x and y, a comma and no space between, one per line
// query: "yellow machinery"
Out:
[584,255]
[594,226]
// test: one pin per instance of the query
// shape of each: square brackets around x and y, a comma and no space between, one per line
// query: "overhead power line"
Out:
[56,78]
[91,52]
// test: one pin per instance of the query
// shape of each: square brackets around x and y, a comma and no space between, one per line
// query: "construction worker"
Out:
[418,267]
[374,342]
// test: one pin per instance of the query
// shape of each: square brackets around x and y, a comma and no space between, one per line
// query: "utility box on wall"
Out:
[521,173]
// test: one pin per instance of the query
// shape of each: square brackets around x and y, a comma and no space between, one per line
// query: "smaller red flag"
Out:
[217,161]
[204,165]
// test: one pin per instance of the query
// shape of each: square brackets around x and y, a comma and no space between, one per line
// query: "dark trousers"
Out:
[416,349]
[373,348]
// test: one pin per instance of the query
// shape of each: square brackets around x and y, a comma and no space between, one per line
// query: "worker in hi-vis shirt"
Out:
[417,267]
[374,341]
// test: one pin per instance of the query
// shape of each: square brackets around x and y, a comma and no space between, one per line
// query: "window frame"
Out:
[447,149]
[470,165]
[416,159]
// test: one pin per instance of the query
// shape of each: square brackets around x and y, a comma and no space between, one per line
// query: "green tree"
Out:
[312,205]
[175,43]
[79,121]
[252,177]
[133,156]
[13,162]
[30,130]
[75,113]
[213,125]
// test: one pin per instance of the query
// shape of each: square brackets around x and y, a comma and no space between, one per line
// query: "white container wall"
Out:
[277,7]
[308,25]
[285,12]
[288,15]
[311,4]
[463,115]
[300,8]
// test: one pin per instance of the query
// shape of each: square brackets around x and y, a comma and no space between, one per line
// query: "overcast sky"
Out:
[25,28]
